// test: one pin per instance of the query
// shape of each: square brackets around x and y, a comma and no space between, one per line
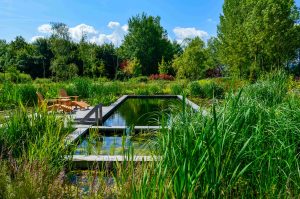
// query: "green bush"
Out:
[27,94]
[16,78]
[177,89]
[138,79]
[195,89]
[213,90]
[154,90]
[42,81]
[83,87]
[103,79]
[24,78]
[271,89]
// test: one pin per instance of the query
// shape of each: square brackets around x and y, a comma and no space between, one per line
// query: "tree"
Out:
[65,53]
[3,54]
[165,67]
[133,68]
[43,56]
[191,64]
[147,41]
[257,35]
[213,60]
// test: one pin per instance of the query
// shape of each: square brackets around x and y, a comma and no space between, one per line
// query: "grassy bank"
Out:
[247,146]
[107,92]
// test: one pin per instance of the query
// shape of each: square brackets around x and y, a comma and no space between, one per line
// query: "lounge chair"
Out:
[44,103]
[55,105]
[82,104]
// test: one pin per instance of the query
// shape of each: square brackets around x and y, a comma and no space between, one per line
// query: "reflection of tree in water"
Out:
[145,111]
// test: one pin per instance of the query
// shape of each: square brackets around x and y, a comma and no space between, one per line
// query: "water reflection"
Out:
[142,112]
[114,145]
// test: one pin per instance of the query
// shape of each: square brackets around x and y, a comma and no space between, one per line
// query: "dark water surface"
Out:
[142,112]
[97,143]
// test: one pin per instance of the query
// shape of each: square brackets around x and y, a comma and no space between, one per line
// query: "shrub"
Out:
[161,77]
[154,90]
[176,89]
[138,79]
[24,78]
[83,87]
[102,79]
[16,77]
[27,94]
[195,89]
[42,81]
[213,90]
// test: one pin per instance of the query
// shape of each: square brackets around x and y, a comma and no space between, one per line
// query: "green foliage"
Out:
[133,68]
[258,35]
[63,71]
[42,81]
[138,79]
[191,64]
[27,94]
[33,155]
[213,58]
[242,148]
[165,67]
[83,87]
[195,89]
[213,90]
[177,89]
[148,42]
[15,77]
[270,90]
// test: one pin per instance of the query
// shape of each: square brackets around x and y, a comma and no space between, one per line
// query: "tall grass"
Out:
[32,155]
[247,147]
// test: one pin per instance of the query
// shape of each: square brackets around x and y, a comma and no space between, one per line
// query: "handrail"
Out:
[98,114]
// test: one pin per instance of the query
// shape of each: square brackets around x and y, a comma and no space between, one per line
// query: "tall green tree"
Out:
[257,35]
[3,54]
[213,57]
[147,41]
[63,65]
[43,56]
[192,63]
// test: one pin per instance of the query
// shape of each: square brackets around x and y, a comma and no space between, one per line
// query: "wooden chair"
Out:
[82,104]
[44,103]
[63,94]
[55,104]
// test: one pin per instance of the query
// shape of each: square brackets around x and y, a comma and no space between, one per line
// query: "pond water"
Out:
[132,112]
[97,143]
[142,112]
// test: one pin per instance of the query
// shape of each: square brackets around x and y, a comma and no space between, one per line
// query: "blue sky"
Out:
[105,20]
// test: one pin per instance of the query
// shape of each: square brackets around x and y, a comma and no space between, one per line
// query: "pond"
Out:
[99,143]
[149,111]
[143,112]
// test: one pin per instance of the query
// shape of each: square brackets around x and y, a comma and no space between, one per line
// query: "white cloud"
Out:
[183,33]
[34,38]
[113,24]
[45,28]
[116,37]
[78,31]
[125,28]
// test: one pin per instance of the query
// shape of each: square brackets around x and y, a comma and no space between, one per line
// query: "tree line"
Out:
[253,37]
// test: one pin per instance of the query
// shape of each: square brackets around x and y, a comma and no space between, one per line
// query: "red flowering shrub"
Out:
[161,77]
